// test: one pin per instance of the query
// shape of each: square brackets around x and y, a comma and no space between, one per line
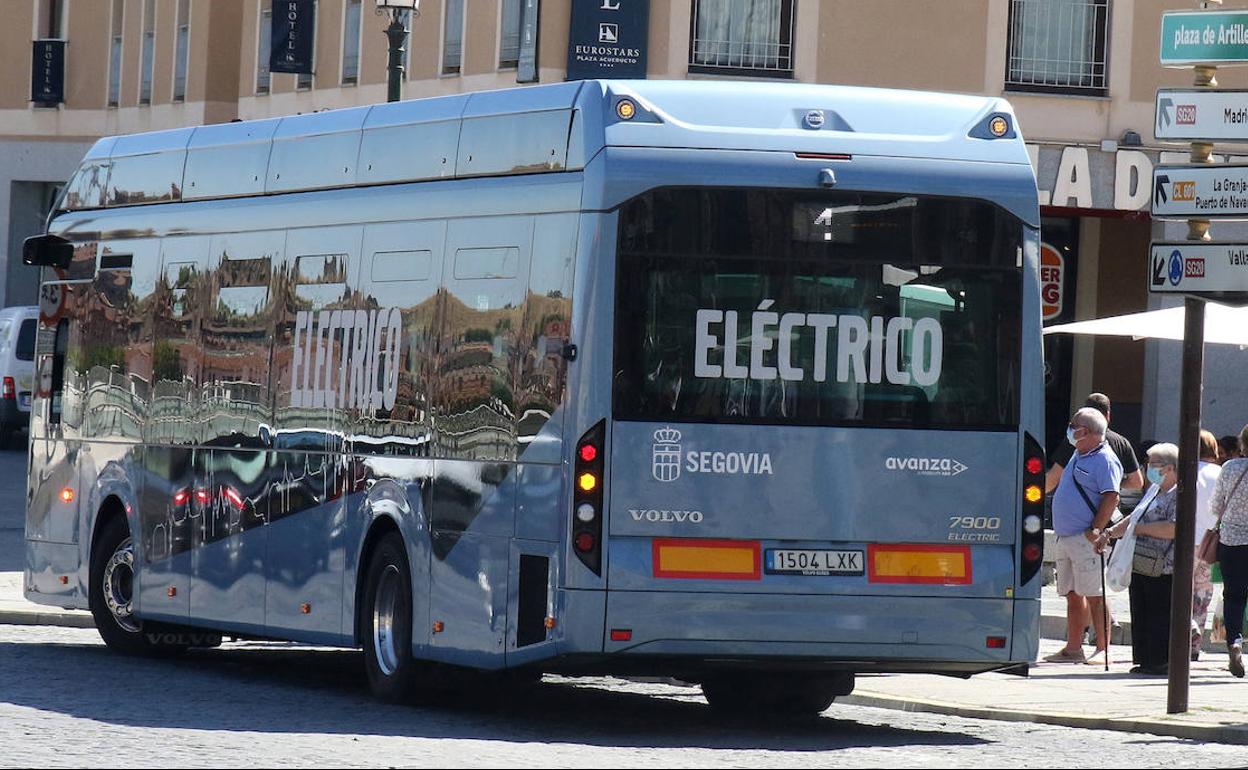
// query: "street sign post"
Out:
[1201,191]
[1204,37]
[1215,271]
[1196,115]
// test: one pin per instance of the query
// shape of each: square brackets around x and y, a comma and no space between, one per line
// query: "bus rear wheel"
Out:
[774,695]
[110,593]
[387,640]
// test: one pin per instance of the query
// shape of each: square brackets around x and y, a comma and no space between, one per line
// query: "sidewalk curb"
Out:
[1196,731]
[10,617]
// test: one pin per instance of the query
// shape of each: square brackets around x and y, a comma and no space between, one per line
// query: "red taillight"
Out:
[1031,511]
[587,497]
[181,497]
[9,389]
[621,634]
[235,498]
[202,496]
[995,642]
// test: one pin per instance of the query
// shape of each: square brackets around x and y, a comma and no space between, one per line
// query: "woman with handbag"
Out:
[1230,507]
[1152,565]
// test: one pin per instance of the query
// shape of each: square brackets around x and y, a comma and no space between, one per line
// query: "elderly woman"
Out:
[1152,569]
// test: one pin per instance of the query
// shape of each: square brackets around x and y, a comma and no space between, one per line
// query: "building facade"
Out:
[1081,74]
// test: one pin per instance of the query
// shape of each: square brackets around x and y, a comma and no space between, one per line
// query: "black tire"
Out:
[387,622]
[774,695]
[113,575]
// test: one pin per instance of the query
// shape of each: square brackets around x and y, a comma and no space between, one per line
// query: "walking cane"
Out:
[1105,610]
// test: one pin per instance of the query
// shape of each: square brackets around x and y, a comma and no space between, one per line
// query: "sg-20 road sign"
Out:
[1199,191]
[1202,115]
[1212,270]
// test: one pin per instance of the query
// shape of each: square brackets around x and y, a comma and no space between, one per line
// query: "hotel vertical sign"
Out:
[608,39]
[47,72]
[293,36]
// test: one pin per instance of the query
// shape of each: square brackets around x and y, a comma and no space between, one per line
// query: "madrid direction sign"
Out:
[1201,191]
[1204,37]
[1210,270]
[1203,115]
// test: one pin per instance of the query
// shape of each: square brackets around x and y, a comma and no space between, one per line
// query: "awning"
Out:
[1223,325]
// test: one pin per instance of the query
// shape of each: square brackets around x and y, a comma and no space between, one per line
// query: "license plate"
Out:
[779,561]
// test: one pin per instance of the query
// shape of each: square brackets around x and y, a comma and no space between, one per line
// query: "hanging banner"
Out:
[608,39]
[530,11]
[293,36]
[47,72]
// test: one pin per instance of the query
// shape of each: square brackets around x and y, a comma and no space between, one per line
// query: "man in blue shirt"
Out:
[1086,498]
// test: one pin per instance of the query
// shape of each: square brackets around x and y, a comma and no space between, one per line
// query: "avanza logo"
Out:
[926,466]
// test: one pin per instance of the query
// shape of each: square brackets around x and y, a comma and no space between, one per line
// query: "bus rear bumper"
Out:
[859,633]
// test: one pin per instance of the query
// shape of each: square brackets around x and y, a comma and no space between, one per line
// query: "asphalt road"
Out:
[67,701]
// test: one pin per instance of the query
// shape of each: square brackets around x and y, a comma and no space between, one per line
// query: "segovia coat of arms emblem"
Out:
[666,460]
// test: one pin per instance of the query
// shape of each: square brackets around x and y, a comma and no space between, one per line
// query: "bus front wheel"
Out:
[388,621]
[774,694]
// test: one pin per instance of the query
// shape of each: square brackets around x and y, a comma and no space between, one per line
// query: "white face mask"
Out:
[1070,436]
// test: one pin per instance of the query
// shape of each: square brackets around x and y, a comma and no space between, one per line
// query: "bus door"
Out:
[232,418]
[167,500]
[314,350]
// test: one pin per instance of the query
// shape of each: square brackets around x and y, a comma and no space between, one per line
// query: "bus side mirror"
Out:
[47,251]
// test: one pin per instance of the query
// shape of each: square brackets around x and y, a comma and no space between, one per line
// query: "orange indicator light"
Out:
[67,495]
[587,482]
[1034,494]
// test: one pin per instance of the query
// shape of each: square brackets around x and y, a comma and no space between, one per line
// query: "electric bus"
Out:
[733,382]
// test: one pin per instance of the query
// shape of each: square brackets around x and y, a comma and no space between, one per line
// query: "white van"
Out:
[17,367]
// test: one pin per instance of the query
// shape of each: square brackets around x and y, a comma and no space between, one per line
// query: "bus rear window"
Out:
[26,341]
[779,307]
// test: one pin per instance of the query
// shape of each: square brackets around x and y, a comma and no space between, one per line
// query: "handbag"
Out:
[1149,558]
[1121,561]
[1208,550]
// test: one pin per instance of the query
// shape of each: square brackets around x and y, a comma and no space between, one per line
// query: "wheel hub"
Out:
[119,586]
[384,611]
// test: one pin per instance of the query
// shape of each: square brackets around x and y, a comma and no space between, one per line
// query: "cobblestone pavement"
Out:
[66,701]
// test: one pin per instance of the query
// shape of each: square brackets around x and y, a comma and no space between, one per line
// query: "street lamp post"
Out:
[396,33]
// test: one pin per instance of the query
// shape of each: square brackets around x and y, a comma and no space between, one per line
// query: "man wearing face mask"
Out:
[1086,498]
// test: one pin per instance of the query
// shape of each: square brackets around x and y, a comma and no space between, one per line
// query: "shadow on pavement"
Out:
[304,690]
[13,506]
